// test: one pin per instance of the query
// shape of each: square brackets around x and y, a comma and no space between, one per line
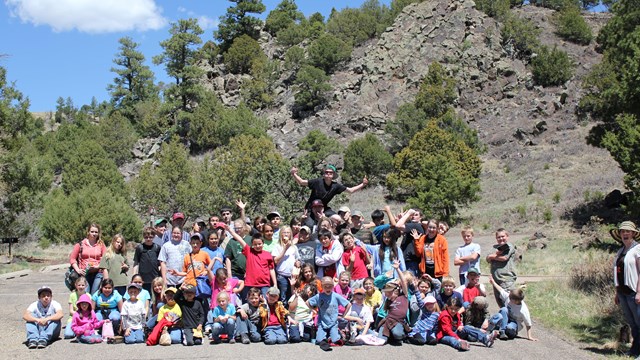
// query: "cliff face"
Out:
[534,140]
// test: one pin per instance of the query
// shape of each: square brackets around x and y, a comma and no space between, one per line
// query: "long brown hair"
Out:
[99,241]
[393,234]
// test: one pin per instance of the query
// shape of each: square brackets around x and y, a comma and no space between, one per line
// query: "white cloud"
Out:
[207,23]
[92,16]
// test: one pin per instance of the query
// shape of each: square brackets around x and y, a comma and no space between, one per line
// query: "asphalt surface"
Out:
[16,294]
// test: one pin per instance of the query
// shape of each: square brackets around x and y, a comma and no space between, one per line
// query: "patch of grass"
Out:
[547,214]
[522,211]
[530,189]
[557,259]
[556,197]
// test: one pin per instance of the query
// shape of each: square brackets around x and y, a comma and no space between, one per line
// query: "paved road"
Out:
[16,294]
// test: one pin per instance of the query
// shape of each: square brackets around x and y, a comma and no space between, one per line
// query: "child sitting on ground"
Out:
[81,286]
[43,319]
[447,291]
[300,315]
[193,315]
[274,318]
[249,323]
[360,316]
[472,288]
[396,306]
[85,323]
[134,312]
[108,303]
[327,303]
[424,330]
[169,317]
[514,316]
[222,319]
[450,325]
[476,322]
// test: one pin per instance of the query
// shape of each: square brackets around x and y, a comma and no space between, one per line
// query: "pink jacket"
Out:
[87,324]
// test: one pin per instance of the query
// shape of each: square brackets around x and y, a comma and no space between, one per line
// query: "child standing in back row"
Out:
[467,255]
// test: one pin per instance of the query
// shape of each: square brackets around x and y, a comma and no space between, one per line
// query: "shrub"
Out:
[311,88]
[117,137]
[592,275]
[520,36]
[317,146]
[88,163]
[294,58]
[352,26]
[258,92]
[408,121]
[65,217]
[436,173]
[551,67]
[327,52]
[366,157]
[494,8]
[243,52]
[571,26]
[437,92]
[151,122]
[283,16]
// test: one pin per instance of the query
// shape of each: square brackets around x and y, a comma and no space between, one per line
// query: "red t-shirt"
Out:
[258,266]
[273,317]
[470,293]
[359,266]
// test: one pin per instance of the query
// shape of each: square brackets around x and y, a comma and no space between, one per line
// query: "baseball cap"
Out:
[273,214]
[134,285]
[358,291]
[177,215]
[317,202]
[273,291]
[356,213]
[196,236]
[159,221]
[189,288]
[305,228]
[44,288]
[473,270]
[171,289]
[344,209]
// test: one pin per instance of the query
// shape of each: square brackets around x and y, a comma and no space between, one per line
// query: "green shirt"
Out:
[114,267]
[233,252]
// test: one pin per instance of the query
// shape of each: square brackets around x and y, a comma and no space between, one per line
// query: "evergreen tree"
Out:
[437,93]
[242,53]
[327,52]
[284,15]
[237,22]
[316,147]
[366,156]
[179,57]
[134,80]
[311,88]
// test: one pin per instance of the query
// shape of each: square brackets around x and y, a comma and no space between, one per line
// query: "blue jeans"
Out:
[135,336]
[631,312]
[249,328]
[451,341]
[90,339]
[473,334]
[48,333]
[333,332]
[93,282]
[300,332]
[68,331]
[285,288]
[397,333]
[502,322]
[219,328]
[275,335]
[418,339]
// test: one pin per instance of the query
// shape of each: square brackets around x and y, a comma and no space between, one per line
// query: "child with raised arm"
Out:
[300,315]
[514,316]
[396,305]
[354,259]
[43,319]
[260,265]
[327,303]
[467,255]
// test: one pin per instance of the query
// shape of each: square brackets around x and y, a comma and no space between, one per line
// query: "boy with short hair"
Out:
[472,288]
[43,319]
[514,316]
[467,255]
[327,303]
[193,315]
[273,316]
[145,259]
[249,321]
[328,255]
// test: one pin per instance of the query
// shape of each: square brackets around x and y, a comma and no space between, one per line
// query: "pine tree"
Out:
[134,80]
[237,22]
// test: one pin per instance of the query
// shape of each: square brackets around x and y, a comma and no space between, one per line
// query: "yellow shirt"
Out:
[374,300]
[166,308]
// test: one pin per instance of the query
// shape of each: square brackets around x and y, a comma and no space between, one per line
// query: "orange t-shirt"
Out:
[201,261]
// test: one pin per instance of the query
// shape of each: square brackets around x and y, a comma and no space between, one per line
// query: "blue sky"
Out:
[66,47]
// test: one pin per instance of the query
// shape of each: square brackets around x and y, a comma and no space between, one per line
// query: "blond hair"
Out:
[111,251]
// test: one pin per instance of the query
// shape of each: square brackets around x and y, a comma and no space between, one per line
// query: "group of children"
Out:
[344,305]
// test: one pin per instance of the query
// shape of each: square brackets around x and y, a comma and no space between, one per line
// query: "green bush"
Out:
[284,15]
[88,163]
[312,88]
[243,52]
[294,58]
[495,8]
[258,92]
[327,52]
[117,137]
[317,146]
[571,26]
[436,173]
[366,157]
[408,121]
[352,26]
[520,35]
[437,93]
[151,122]
[65,217]
[551,67]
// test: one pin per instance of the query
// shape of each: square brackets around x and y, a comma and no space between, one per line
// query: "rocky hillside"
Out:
[537,162]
